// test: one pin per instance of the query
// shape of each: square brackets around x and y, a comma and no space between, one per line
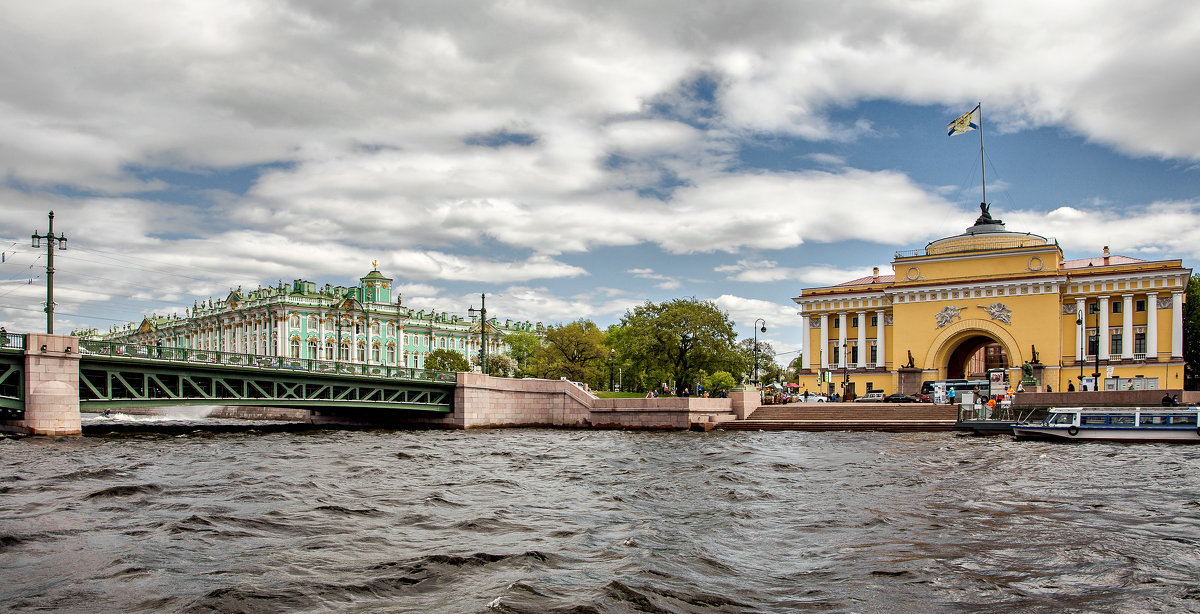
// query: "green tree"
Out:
[721,381]
[677,339]
[1191,334]
[768,369]
[498,365]
[522,346]
[446,360]
[575,351]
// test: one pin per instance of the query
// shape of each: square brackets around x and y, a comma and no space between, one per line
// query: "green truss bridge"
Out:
[115,375]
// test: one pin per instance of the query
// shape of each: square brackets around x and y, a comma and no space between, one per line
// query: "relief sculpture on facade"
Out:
[998,311]
[947,315]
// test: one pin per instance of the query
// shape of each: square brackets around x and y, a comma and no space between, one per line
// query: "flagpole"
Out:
[982,165]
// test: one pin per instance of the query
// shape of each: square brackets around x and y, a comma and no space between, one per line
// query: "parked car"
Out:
[870,397]
[899,398]
[922,398]
[813,398]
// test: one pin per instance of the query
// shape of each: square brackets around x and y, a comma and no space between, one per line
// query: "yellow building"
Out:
[990,298]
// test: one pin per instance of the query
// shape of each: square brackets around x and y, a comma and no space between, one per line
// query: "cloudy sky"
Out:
[572,159]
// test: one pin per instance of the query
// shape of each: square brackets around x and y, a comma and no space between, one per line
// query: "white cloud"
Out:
[769,271]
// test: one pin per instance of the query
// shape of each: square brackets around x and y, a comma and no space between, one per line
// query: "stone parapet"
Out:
[1103,398]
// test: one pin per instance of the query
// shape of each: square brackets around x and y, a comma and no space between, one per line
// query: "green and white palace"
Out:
[362,324]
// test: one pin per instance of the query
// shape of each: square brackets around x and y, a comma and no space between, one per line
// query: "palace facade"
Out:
[994,299]
[359,324]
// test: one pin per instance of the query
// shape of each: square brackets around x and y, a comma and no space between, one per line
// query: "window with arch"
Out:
[391,329]
[295,348]
[391,354]
[344,351]
[442,343]
[294,321]
[362,352]
[375,352]
[328,350]
[312,322]
[312,348]
[375,328]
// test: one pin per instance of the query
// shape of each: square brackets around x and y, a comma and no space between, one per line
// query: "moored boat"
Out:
[1166,424]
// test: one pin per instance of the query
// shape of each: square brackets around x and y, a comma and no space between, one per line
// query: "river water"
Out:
[531,520]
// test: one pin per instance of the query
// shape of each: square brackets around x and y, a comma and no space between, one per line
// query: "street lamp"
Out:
[612,355]
[482,311]
[61,240]
[756,329]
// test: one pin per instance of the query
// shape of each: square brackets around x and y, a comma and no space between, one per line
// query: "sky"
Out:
[574,159]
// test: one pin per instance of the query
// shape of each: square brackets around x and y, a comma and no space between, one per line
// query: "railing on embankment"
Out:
[849,417]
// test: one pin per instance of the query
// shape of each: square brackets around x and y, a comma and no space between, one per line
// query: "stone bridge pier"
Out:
[51,387]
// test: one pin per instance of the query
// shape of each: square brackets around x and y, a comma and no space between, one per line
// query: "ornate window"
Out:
[312,322]
[391,329]
[362,351]
[375,352]
[328,350]
[391,354]
[344,351]
[294,321]
[312,348]
[295,348]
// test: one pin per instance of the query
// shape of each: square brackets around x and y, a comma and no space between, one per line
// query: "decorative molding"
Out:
[814,322]
[1035,264]
[887,319]
[1070,309]
[948,315]
[998,311]
[1164,302]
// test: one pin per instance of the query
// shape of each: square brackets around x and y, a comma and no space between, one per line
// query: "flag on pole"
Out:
[967,121]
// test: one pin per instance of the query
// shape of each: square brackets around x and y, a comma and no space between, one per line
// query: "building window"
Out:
[1093,345]
[854,321]
[362,352]
[1139,343]
[295,348]
[391,330]
[375,329]
[1094,307]
[312,348]
[853,354]
[874,354]
[837,322]
[391,354]
[344,351]
[1139,305]
[1115,346]
[328,350]
[312,322]
[375,352]
[874,320]
[1116,306]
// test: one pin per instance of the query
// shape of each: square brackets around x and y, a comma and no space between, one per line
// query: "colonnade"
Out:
[1103,328]
[843,355]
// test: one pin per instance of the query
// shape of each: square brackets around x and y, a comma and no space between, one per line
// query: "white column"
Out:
[1177,324]
[862,339]
[1081,329]
[824,341]
[880,357]
[1102,329]
[1127,326]
[1152,326]
[321,317]
[367,332]
[843,351]
[805,343]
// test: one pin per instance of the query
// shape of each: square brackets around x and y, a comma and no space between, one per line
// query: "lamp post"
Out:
[845,371]
[756,329]
[1096,375]
[482,311]
[61,240]
[612,355]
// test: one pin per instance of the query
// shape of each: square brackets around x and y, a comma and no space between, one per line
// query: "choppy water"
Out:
[595,521]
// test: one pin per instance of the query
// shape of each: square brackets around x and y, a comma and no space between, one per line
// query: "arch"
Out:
[948,340]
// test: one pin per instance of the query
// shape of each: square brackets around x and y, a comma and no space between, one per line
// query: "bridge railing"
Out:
[275,363]
[12,341]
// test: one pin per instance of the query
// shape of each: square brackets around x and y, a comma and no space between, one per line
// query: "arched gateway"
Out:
[969,348]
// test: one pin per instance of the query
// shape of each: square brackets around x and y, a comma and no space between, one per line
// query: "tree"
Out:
[1191,334]
[677,339]
[768,369]
[719,381]
[522,346]
[575,351]
[446,360]
[498,365]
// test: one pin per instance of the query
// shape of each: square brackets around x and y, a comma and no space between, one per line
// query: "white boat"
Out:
[1168,424]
